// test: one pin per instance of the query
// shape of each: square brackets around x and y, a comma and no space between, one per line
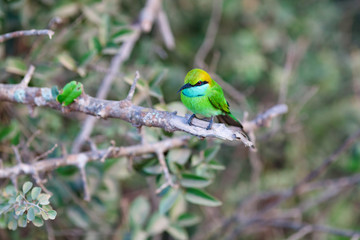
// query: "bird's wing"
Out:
[217,99]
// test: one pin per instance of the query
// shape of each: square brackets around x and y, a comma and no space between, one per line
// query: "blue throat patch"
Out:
[196,91]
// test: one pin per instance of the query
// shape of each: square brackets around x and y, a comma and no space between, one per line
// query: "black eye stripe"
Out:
[199,83]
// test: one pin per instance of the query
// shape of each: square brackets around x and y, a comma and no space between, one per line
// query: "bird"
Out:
[202,95]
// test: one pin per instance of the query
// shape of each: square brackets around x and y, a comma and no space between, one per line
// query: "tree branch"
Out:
[80,159]
[33,32]
[318,228]
[145,21]
[136,115]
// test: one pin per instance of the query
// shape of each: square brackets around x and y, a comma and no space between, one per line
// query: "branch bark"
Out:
[80,159]
[33,32]
[145,20]
[127,111]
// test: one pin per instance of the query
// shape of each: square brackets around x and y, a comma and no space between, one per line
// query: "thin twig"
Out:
[109,151]
[314,227]
[165,30]
[17,154]
[82,158]
[122,55]
[210,34]
[133,87]
[82,165]
[28,76]
[297,187]
[33,32]
[31,139]
[161,157]
[146,19]
[301,233]
[45,154]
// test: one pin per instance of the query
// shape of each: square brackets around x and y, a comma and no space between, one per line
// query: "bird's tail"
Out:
[231,120]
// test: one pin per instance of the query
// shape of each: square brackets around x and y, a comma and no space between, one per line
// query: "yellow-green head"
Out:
[198,75]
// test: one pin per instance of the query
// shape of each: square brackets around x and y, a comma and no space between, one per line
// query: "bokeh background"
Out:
[302,53]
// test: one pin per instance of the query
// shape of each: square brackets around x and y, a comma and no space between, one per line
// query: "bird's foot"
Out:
[210,123]
[190,119]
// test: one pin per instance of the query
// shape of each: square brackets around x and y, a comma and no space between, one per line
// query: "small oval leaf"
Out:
[35,192]
[22,222]
[52,214]
[139,211]
[43,199]
[168,201]
[177,232]
[200,197]
[26,187]
[38,222]
[194,181]
[31,214]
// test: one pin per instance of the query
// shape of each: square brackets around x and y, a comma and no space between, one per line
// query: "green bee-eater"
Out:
[202,95]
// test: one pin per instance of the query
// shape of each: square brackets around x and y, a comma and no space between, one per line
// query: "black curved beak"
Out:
[185,86]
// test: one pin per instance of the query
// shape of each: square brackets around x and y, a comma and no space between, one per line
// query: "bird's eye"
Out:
[198,83]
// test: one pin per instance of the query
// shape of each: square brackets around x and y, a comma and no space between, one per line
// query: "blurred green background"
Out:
[302,53]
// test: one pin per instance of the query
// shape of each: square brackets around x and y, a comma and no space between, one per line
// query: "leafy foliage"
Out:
[306,51]
[69,93]
[18,208]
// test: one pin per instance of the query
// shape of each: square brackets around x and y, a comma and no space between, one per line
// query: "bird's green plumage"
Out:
[202,95]
[208,99]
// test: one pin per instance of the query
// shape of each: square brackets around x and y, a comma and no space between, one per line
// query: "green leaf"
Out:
[20,210]
[215,165]
[35,192]
[157,224]
[192,180]
[44,215]
[70,92]
[139,211]
[54,92]
[22,221]
[200,197]
[31,214]
[38,222]
[95,46]
[67,61]
[153,170]
[47,208]
[10,190]
[19,198]
[3,222]
[16,66]
[179,156]
[43,198]
[138,234]
[104,29]
[187,220]
[87,57]
[5,208]
[78,217]
[6,129]
[177,232]
[26,187]
[168,201]
[121,33]
[211,153]
[12,225]
[52,214]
